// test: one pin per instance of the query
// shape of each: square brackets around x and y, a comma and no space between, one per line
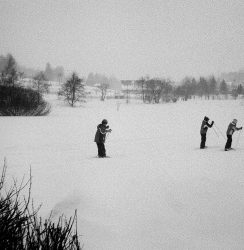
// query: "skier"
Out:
[100,137]
[230,130]
[203,131]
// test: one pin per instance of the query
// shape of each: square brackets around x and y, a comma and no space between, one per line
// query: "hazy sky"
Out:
[126,38]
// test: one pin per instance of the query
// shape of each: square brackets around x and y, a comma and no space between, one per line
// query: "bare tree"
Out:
[10,74]
[240,89]
[73,89]
[157,89]
[223,88]
[203,87]
[166,90]
[212,86]
[40,84]
[103,87]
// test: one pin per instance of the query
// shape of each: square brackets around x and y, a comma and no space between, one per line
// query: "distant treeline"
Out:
[154,90]
[206,87]
[51,74]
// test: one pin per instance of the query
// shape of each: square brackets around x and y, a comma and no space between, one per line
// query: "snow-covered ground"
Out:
[157,191]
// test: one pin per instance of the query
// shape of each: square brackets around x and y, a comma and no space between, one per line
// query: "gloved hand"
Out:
[240,127]
[212,122]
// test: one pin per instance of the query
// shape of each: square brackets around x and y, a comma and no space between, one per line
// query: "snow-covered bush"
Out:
[19,101]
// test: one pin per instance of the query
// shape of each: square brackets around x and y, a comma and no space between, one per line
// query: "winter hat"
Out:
[104,121]
[234,121]
[206,118]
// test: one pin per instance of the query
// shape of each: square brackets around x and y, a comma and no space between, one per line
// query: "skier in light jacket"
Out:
[203,131]
[230,131]
[100,137]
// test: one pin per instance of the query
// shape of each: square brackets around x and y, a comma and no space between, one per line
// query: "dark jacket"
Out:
[231,129]
[205,126]
[100,135]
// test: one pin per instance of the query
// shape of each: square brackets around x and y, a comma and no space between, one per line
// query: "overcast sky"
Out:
[126,38]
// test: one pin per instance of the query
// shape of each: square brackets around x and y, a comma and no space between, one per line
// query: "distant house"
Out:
[128,84]
[233,77]
[130,87]
[94,91]
[119,95]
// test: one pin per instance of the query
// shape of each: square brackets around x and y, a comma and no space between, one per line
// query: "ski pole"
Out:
[238,138]
[215,132]
[219,131]
[107,134]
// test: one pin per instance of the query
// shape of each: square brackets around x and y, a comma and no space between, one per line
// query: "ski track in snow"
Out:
[157,191]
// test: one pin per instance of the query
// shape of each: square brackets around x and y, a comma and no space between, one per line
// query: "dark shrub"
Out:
[20,228]
[19,101]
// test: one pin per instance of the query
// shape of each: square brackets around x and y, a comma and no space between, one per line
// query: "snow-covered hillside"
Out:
[157,191]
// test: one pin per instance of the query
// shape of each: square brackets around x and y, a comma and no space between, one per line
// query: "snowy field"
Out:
[157,191]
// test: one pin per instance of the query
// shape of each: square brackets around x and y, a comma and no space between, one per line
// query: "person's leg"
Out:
[226,144]
[229,141]
[103,150]
[203,140]
[99,149]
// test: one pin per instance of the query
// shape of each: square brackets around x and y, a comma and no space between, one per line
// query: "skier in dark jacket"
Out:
[100,137]
[230,130]
[203,131]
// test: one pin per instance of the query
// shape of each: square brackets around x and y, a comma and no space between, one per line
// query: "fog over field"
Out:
[127,39]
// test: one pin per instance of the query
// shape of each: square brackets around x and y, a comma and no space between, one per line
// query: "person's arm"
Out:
[239,128]
[104,131]
[107,129]
[210,125]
